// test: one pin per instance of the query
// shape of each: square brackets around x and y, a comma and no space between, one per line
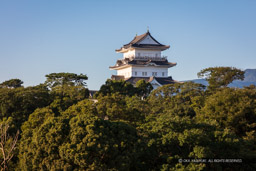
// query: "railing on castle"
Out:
[162,58]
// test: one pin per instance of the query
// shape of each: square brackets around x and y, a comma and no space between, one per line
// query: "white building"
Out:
[142,59]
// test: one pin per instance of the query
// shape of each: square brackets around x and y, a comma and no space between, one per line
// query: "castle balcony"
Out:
[162,58]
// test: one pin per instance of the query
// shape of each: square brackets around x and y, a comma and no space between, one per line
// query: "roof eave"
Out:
[162,48]
[159,66]
[119,67]
[123,50]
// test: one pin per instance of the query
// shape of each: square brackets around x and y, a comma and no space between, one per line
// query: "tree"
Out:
[7,146]
[184,98]
[65,96]
[66,89]
[62,78]
[20,102]
[13,83]
[96,144]
[171,137]
[40,138]
[234,109]
[112,107]
[117,107]
[61,129]
[113,86]
[218,77]
[76,140]
[143,88]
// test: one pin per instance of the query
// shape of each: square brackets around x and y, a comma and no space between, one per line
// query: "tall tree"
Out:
[183,97]
[20,102]
[171,137]
[62,78]
[230,108]
[113,86]
[76,140]
[7,146]
[218,77]
[12,83]
[143,88]
[66,89]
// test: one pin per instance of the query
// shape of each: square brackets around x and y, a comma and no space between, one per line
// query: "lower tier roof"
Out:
[127,62]
[133,80]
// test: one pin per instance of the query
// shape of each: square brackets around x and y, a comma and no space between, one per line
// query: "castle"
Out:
[142,59]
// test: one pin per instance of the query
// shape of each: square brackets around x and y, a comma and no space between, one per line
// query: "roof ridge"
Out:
[139,38]
[135,43]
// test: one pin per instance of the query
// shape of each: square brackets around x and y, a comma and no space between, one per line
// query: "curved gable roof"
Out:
[136,43]
[138,39]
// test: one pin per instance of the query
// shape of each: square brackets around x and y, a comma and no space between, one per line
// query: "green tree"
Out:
[65,96]
[20,102]
[77,140]
[143,88]
[171,137]
[231,108]
[112,107]
[12,83]
[184,98]
[41,137]
[113,86]
[62,78]
[117,107]
[95,144]
[66,89]
[7,146]
[218,77]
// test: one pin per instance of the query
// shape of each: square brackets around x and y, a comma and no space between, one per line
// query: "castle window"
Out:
[144,73]
[154,73]
[135,73]
[162,73]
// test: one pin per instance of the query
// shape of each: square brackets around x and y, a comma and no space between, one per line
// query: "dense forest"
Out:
[58,126]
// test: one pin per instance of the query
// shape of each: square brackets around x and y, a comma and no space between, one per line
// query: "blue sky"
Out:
[45,36]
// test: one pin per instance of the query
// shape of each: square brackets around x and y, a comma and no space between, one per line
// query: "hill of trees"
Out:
[185,126]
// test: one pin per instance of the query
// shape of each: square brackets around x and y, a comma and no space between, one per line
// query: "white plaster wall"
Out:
[129,54]
[148,40]
[126,72]
[149,53]
[149,71]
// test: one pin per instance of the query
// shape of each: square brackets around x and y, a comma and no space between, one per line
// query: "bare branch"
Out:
[7,148]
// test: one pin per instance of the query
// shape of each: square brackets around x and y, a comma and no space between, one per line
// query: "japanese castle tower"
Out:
[142,59]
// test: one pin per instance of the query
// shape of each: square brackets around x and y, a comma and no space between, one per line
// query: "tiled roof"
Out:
[117,77]
[160,80]
[150,46]
[137,39]
[126,62]
[147,62]
[163,80]
[133,80]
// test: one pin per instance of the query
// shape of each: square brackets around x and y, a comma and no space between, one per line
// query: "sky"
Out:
[80,36]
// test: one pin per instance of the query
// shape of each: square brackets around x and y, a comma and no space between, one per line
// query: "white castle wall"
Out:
[149,71]
[142,53]
[148,53]
[129,54]
[138,72]
[126,72]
